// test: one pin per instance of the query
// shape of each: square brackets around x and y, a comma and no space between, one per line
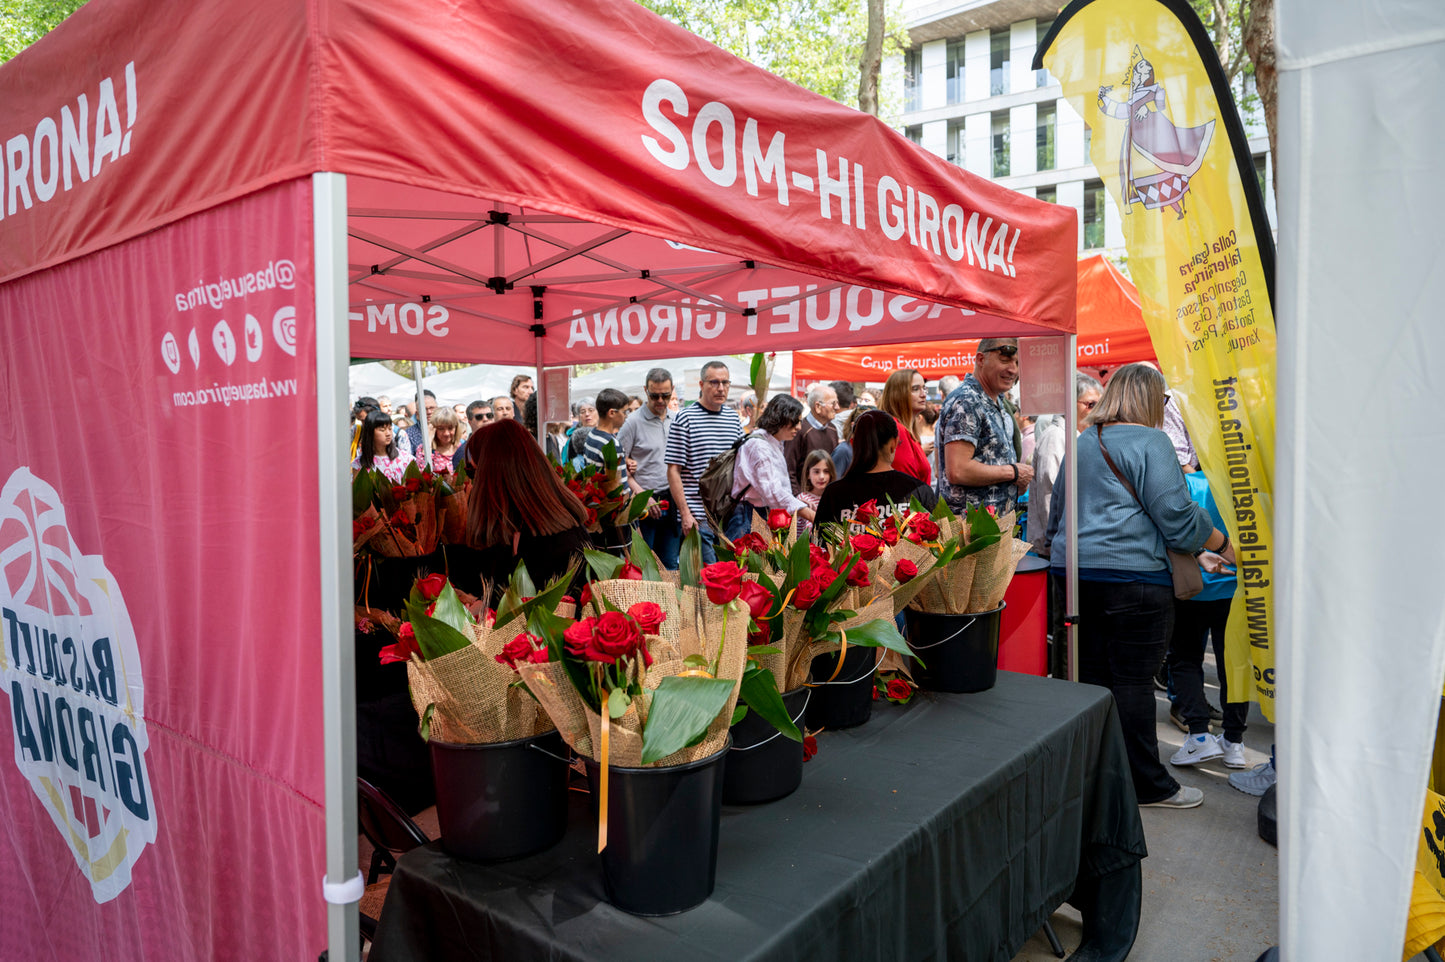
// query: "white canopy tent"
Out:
[1361,620]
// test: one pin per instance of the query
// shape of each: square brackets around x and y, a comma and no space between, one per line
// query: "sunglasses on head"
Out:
[1005,352]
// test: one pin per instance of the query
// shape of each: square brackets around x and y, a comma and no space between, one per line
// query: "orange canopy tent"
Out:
[1111,333]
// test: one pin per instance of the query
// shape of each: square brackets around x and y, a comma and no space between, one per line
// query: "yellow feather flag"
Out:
[1169,145]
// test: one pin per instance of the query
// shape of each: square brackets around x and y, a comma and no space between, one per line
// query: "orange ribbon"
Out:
[842,650]
[602,790]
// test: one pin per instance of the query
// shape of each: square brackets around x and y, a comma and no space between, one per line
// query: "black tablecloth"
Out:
[949,828]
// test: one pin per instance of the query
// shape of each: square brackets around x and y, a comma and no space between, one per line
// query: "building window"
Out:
[998,63]
[914,133]
[956,139]
[1041,76]
[955,71]
[1047,130]
[912,78]
[1260,163]
[1000,144]
[1094,200]
[1048,194]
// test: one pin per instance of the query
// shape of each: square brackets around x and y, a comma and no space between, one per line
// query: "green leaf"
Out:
[755,370]
[981,524]
[412,472]
[362,491]
[436,638]
[522,578]
[799,565]
[425,728]
[764,650]
[976,545]
[696,661]
[609,457]
[690,559]
[879,633]
[682,708]
[638,506]
[739,713]
[759,692]
[617,702]
[604,566]
[448,609]
[643,557]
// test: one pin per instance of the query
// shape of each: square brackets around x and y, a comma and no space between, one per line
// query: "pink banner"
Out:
[158,587]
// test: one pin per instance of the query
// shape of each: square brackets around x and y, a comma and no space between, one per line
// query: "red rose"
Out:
[539,656]
[867,545]
[824,576]
[752,541]
[817,555]
[394,653]
[397,491]
[992,511]
[404,648]
[414,484]
[518,649]
[616,634]
[899,689]
[806,594]
[810,746]
[921,528]
[858,577]
[586,598]
[757,598]
[400,518]
[866,512]
[648,615]
[664,506]
[905,571]
[591,517]
[890,532]
[578,639]
[779,520]
[629,572]
[431,586]
[723,580]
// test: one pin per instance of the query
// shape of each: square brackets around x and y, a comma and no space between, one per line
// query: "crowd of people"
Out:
[1140,496]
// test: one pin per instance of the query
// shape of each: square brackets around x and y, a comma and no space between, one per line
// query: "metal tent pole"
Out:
[1071,515]
[343,885]
[421,413]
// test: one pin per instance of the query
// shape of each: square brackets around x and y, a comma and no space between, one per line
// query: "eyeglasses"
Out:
[716,383]
[1088,405]
[660,395]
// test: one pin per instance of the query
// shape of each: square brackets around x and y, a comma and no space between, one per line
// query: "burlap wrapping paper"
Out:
[420,511]
[992,571]
[786,537]
[582,728]
[476,702]
[921,557]
[453,512]
[371,519]
[624,593]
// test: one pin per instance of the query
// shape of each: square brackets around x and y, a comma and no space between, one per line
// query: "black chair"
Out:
[390,830]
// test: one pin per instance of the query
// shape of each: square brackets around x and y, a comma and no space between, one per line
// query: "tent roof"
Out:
[594,150]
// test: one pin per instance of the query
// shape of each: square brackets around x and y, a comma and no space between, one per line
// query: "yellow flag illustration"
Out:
[1169,146]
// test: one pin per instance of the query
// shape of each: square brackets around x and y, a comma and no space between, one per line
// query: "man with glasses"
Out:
[642,440]
[975,459]
[479,415]
[699,433]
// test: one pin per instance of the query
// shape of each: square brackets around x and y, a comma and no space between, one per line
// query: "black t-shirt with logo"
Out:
[841,498]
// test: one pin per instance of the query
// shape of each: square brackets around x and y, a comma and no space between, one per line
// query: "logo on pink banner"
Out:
[72,672]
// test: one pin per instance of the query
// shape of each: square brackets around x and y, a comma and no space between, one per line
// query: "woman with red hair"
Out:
[519,510]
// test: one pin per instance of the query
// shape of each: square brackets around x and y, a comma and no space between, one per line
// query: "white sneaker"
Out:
[1186,797]
[1196,749]
[1233,753]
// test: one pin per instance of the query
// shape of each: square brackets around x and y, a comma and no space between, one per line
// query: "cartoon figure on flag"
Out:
[1173,154]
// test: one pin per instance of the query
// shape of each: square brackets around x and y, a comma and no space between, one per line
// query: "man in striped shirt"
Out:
[700,432]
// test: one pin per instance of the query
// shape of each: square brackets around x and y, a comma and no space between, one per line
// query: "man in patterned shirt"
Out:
[699,433]
[975,460]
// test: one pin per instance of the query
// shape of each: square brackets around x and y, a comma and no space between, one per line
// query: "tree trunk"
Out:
[872,62]
[1259,41]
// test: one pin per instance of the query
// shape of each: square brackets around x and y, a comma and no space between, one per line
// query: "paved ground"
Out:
[1211,885]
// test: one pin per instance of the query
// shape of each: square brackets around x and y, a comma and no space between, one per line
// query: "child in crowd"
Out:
[818,473]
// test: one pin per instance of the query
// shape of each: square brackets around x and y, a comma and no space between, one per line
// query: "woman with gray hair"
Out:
[1049,446]
[1133,505]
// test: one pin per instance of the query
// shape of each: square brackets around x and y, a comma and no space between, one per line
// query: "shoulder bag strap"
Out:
[1099,430]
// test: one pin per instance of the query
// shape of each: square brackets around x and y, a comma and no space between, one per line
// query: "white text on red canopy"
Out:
[901,212]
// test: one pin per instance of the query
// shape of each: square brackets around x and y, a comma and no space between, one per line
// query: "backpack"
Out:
[715,487]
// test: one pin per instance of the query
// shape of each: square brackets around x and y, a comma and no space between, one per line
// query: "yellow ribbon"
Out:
[602,789]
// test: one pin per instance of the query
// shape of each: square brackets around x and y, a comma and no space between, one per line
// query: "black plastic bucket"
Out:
[959,652]
[847,700]
[501,801]
[662,832]
[764,765]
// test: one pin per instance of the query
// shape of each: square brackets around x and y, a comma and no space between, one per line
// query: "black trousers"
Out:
[1124,631]
[1194,622]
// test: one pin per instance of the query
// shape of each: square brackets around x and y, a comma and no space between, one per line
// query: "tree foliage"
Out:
[817,44]
[22,22]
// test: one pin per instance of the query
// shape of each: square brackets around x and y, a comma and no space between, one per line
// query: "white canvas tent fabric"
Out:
[374,379]
[628,378]
[1362,626]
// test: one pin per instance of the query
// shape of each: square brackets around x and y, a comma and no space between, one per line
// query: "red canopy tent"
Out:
[197,196]
[1111,333]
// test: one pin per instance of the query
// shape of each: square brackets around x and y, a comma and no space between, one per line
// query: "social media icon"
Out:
[171,352]
[194,343]
[283,329]
[224,342]
[253,338]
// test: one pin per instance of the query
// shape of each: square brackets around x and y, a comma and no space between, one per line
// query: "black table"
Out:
[947,829]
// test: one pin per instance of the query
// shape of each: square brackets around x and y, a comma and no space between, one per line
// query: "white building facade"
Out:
[971,97]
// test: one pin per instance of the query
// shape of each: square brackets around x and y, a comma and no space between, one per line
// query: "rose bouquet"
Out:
[611,505]
[974,560]
[462,666]
[404,520]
